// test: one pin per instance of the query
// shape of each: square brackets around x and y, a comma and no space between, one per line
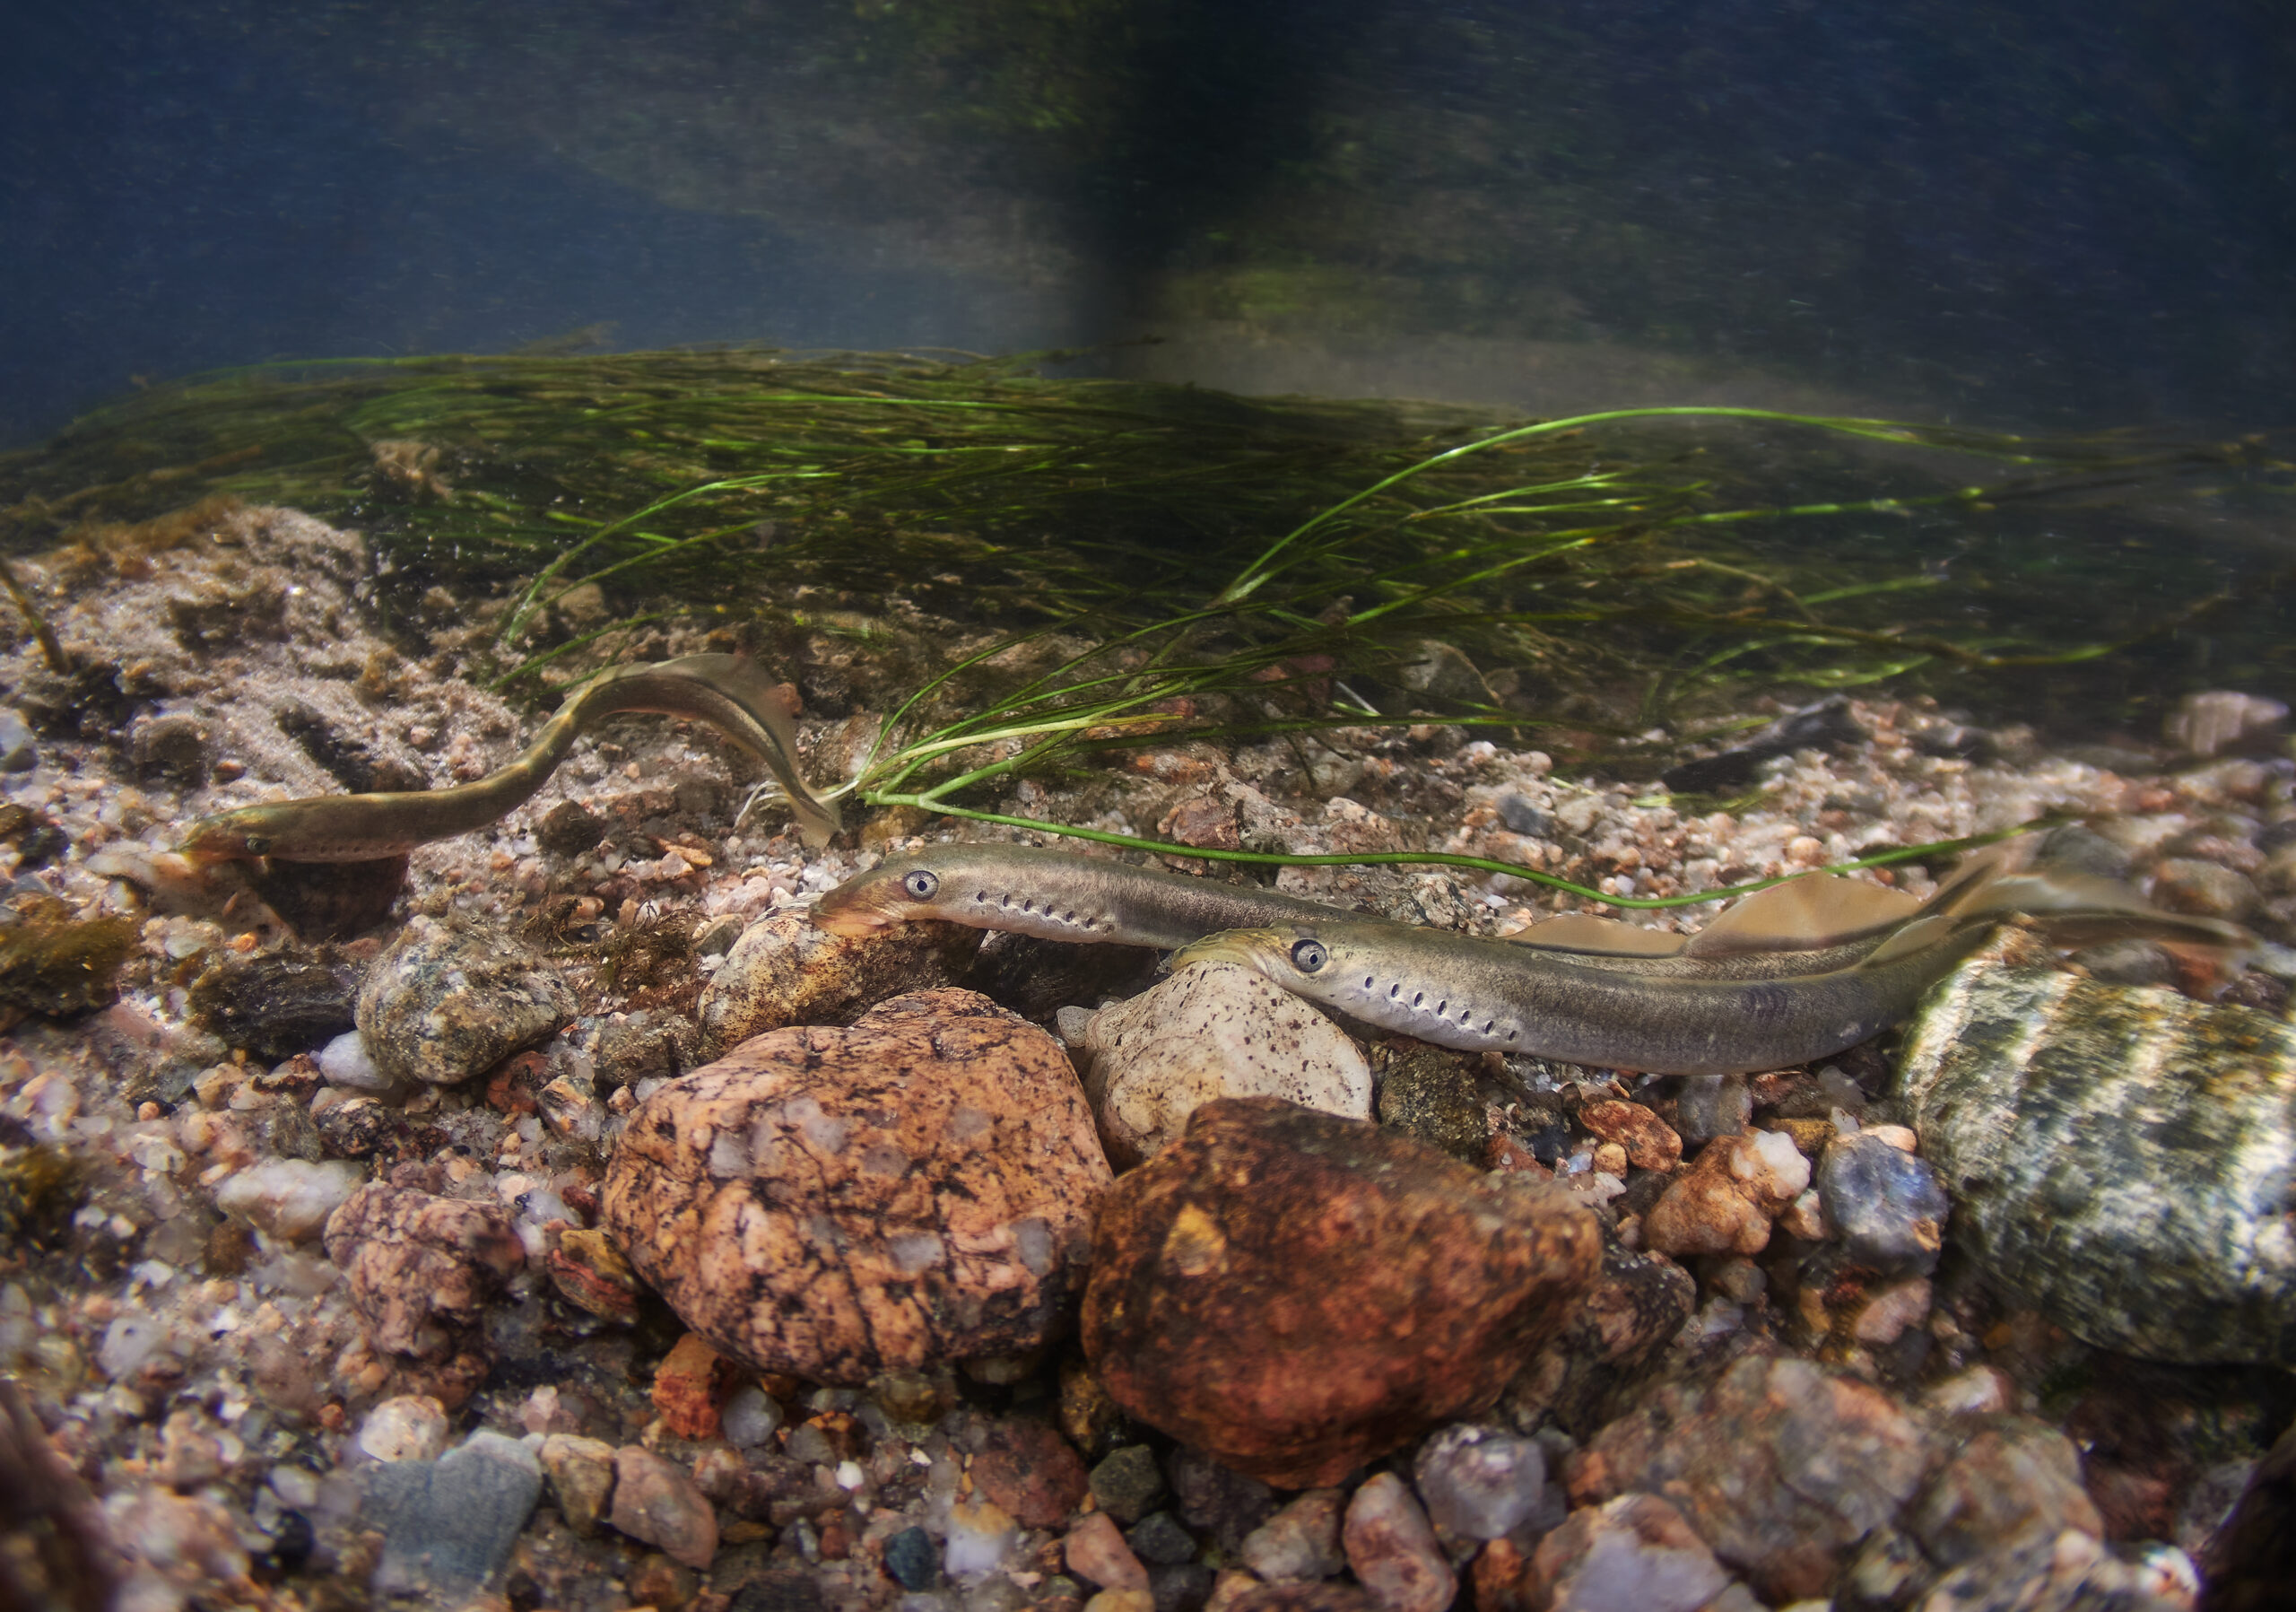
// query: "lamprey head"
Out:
[240,836]
[1290,956]
[899,890]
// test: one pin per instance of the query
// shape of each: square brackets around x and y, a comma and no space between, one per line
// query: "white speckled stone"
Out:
[1213,1029]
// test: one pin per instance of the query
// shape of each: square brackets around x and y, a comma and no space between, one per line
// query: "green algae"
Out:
[55,962]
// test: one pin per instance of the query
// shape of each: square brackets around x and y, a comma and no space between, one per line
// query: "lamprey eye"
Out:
[921,883]
[257,844]
[1308,956]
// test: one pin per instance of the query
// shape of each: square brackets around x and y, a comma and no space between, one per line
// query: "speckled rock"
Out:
[420,1268]
[1213,1029]
[1295,1293]
[784,970]
[2122,1154]
[1620,1321]
[1393,1551]
[1886,1206]
[446,1001]
[1781,1466]
[581,1479]
[1711,1106]
[1724,1202]
[842,1203]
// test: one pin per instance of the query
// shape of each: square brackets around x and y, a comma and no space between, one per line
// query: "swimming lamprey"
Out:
[730,693]
[1793,973]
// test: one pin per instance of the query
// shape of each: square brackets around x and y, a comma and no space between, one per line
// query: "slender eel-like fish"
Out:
[730,693]
[1795,973]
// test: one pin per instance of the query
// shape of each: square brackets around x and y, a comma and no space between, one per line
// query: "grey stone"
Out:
[1711,1106]
[912,1559]
[447,1001]
[19,745]
[1886,1206]
[1159,1539]
[448,1525]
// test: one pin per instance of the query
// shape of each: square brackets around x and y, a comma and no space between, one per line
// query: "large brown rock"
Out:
[840,1203]
[1296,1294]
[421,1268]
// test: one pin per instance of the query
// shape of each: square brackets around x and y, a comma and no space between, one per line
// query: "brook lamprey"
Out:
[731,695]
[1795,973]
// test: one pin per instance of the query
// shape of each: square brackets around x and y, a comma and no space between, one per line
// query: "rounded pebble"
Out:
[1478,1483]
[446,1001]
[1393,1550]
[290,1199]
[412,1427]
[345,1061]
[1886,1206]
[655,1501]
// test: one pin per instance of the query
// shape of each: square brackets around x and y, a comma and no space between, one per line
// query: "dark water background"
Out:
[2060,212]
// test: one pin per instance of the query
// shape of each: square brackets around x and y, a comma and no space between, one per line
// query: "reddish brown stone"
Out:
[690,1383]
[1295,1294]
[844,1203]
[1650,1143]
[419,1268]
[1031,1471]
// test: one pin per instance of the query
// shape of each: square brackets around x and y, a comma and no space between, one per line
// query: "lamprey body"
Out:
[1795,973]
[1056,895]
[731,695]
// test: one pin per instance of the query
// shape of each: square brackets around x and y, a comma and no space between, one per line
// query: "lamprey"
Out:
[1745,993]
[1053,893]
[1793,973]
[731,695]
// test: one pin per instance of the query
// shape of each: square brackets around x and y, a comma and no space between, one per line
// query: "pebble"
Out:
[345,1061]
[289,1199]
[445,1002]
[912,1560]
[1724,1203]
[2118,1154]
[784,971]
[655,1501]
[1890,1311]
[1158,1540]
[923,1180]
[421,1267]
[581,1479]
[1478,1483]
[981,1535]
[1393,1551]
[1635,1305]
[2072,1572]
[2214,720]
[1633,1554]
[1128,1483]
[1246,1284]
[1213,1029]
[448,1526]
[2209,889]
[275,1004]
[409,1427]
[1220,1504]
[1302,1541]
[2013,1482]
[1096,1551]
[693,1380]
[1740,1458]
[1711,1106]
[1650,1143]
[1429,1094]
[1027,1468]
[750,1417]
[1887,1206]
[19,745]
